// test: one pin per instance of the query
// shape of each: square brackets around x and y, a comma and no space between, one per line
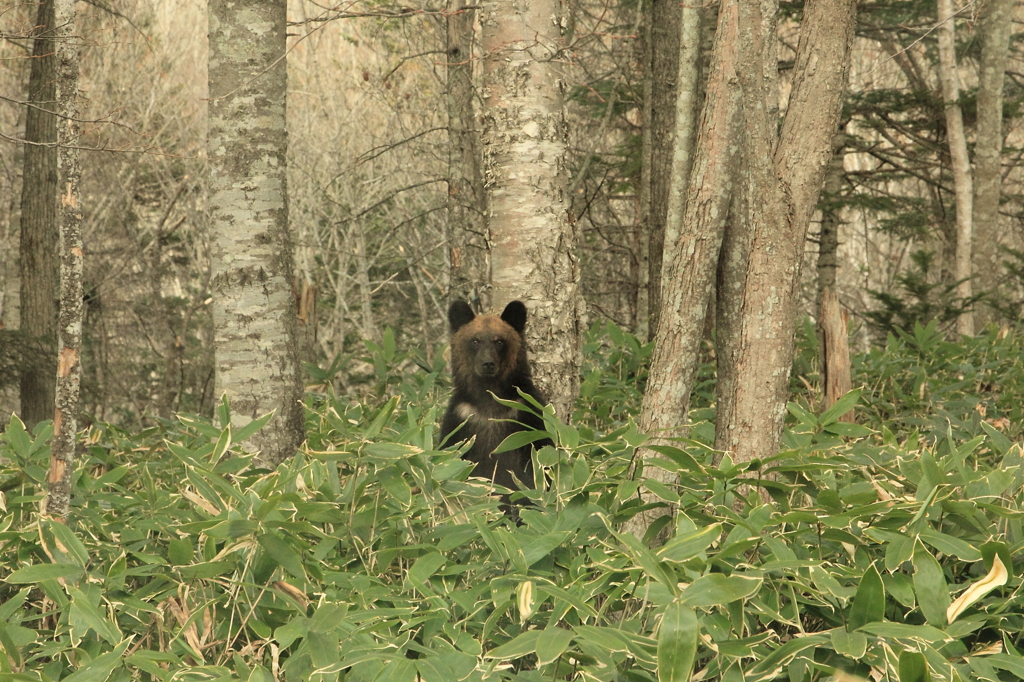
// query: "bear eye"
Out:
[476,343]
[500,343]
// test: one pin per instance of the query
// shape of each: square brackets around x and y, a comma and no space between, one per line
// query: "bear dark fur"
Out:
[488,355]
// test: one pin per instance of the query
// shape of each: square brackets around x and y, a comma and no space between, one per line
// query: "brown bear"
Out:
[488,356]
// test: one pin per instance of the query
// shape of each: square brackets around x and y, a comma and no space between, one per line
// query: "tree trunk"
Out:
[39,265]
[691,260]
[833,321]
[958,157]
[467,243]
[783,182]
[69,365]
[661,69]
[994,27]
[254,308]
[533,241]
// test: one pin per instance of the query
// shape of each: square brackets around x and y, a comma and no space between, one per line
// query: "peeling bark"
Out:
[254,308]
[533,240]
[71,311]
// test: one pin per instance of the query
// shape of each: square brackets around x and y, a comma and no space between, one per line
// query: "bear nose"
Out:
[489,366]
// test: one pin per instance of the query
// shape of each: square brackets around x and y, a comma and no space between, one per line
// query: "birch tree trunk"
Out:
[467,243]
[533,240]
[958,158]
[994,27]
[691,259]
[783,183]
[69,365]
[254,309]
[39,268]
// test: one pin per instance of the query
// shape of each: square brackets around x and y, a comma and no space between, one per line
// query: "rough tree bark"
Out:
[39,269]
[994,27]
[467,242]
[254,309]
[959,160]
[784,178]
[661,69]
[690,261]
[833,321]
[69,365]
[533,240]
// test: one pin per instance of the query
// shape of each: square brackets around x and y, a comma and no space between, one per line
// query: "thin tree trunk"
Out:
[69,365]
[254,306]
[783,182]
[40,272]
[467,243]
[691,260]
[661,69]
[533,242]
[994,27]
[833,321]
[958,157]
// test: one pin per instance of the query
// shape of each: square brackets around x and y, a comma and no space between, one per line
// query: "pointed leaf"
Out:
[677,643]
[869,602]
[552,643]
[930,586]
[913,667]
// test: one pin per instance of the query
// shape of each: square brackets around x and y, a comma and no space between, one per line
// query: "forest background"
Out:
[368,556]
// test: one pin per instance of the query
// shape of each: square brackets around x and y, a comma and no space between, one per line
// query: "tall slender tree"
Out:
[69,356]
[39,266]
[533,239]
[467,240]
[254,310]
[961,162]
[994,27]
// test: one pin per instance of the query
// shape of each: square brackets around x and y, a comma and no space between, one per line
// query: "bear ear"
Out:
[459,315]
[515,315]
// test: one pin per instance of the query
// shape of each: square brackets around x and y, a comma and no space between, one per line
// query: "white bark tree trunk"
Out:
[962,182]
[994,27]
[254,302]
[71,311]
[533,239]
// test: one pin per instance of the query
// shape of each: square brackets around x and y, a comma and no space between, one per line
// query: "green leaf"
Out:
[686,546]
[989,550]
[898,551]
[947,544]
[923,633]
[852,644]
[523,644]
[677,643]
[426,566]
[40,572]
[715,588]
[869,602]
[283,553]
[84,615]
[243,434]
[552,643]
[913,667]
[70,545]
[841,407]
[1007,662]
[99,668]
[392,480]
[519,439]
[930,586]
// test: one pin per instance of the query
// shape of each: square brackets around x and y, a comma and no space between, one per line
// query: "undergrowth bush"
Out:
[890,552]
